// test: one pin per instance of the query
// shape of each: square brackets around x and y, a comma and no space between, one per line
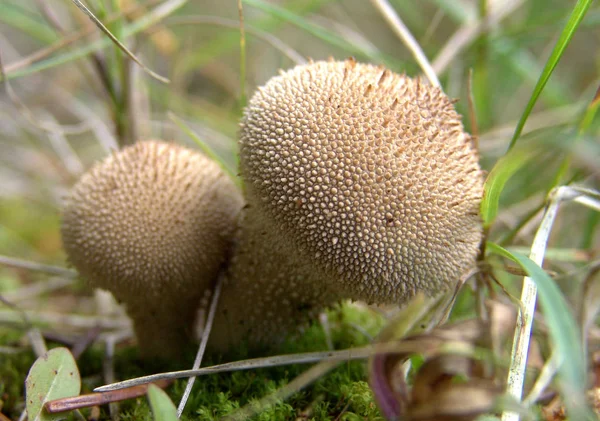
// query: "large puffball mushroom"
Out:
[367,176]
[152,223]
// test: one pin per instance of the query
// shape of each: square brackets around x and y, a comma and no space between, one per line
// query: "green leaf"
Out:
[504,169]
[162,407]
[565,38]
[563,330]
[54,375]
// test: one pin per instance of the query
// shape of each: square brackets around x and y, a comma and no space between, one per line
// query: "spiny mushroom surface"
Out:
[153,224]
[367,175]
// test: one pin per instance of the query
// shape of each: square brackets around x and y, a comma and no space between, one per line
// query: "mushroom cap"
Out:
[368,174]
[152,223]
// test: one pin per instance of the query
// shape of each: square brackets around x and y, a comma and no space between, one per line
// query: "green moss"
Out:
[13,370]
[29,229]
[343,392]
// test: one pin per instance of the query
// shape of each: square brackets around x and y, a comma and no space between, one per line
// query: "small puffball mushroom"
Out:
[365,180]
[153,224]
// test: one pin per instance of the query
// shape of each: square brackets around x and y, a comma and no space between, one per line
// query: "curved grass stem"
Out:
[522,336]
[407,38]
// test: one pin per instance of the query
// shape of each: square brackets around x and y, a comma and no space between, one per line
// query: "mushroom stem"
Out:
[267,292]
[161,333]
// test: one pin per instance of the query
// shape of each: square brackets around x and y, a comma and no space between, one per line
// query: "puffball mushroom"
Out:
[367,183]
[152,223]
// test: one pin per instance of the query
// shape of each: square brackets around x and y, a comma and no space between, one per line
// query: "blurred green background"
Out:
[69,96]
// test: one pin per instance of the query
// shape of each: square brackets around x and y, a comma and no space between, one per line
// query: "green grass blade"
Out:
[116,41]
[505,49]
[203,146]
[24,21]
[225,41]
[583,126]
[565,38]
[243,98]
[503,170]
[321,33]
[523,63]
[157,14]
[563,330]
[590,113]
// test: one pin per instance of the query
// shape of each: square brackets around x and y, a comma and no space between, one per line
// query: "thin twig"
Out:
[83,342]
[82,110]
[409,41]
[50,16]
[38,267]
[493,142]
[114,39]
[443,314]
[96,58]
[33,333]
[393,346]
[589,202]
[472,111]
[205,335]
[71,320]
[279,360]
[10,349]
[433,25]
[149,19]
[38,288]
[69,39]
[30,118]
[63,149]
[95,399]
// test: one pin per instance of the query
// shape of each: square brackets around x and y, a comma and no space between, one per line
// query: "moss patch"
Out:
[341,393]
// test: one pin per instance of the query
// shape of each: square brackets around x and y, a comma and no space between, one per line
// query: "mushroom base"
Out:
[163,331]
[268,293]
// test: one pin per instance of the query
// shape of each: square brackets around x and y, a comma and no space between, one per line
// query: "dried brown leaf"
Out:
[452,384]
